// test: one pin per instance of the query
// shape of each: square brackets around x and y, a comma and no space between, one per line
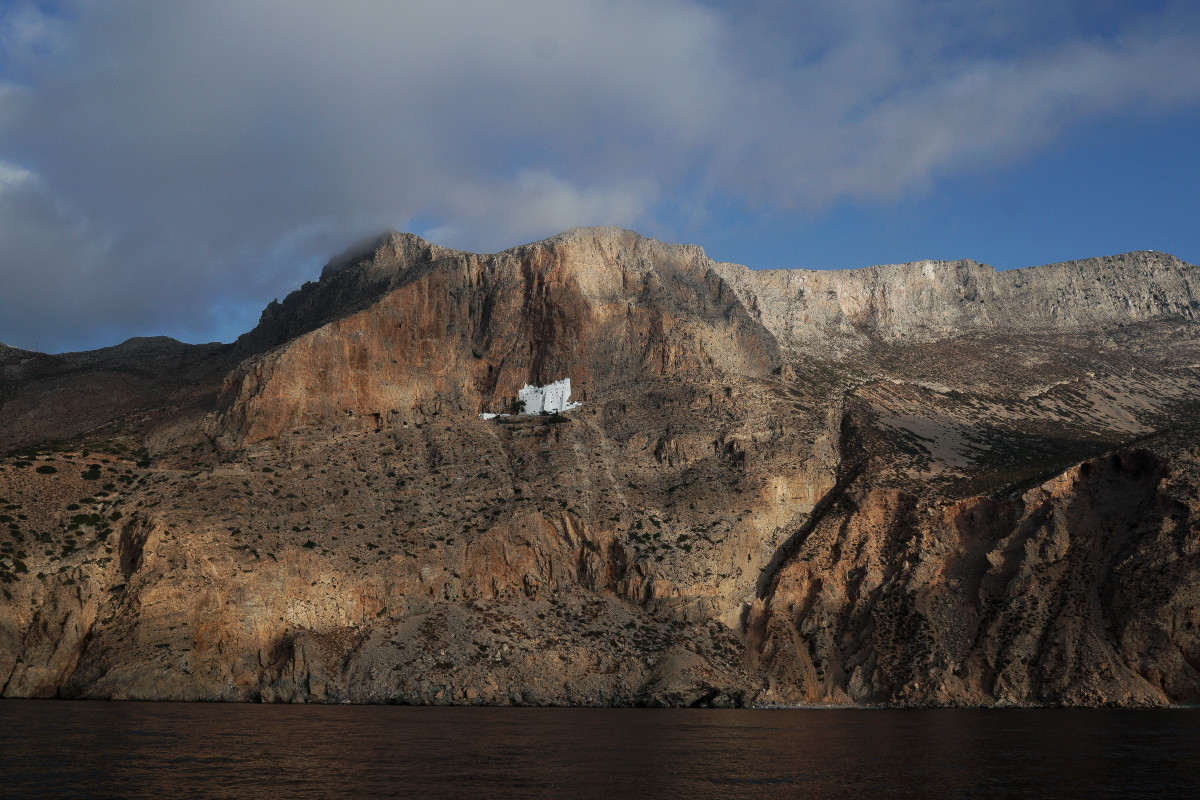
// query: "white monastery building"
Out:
[551,398]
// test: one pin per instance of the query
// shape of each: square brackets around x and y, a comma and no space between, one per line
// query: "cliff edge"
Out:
[922,484]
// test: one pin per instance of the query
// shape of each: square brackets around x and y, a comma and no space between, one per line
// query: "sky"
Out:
[170,168]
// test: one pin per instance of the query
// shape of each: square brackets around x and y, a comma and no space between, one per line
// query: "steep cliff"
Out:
[921,484]
[931,300]
[415,330]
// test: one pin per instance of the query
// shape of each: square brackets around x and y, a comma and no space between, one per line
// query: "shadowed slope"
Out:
[922,484]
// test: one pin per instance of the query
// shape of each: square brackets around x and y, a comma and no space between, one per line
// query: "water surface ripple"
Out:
[184,750]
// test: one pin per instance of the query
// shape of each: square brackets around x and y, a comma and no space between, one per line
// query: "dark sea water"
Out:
[178,750]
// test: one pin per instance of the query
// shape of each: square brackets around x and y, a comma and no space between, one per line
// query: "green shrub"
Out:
[46,469]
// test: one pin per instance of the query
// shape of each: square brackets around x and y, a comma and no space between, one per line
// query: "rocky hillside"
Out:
[932,300]
[922,484]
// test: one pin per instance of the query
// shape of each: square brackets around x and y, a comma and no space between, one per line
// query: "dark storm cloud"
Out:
[169,167]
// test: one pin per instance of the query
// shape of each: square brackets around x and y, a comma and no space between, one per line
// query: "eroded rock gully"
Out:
[1056,595]
[928,484]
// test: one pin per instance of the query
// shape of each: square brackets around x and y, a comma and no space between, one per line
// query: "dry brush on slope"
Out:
[926,484]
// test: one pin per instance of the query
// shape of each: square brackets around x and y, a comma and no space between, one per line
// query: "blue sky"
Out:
[171,168]
[1107,187]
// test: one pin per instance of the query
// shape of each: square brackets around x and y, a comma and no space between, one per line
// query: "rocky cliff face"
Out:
[924,484]
[931,300]
[1058,594]
[458,333]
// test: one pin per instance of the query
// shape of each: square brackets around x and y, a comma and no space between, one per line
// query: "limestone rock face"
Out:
[921,484]
[457,333]
[1043,596]
[930,300]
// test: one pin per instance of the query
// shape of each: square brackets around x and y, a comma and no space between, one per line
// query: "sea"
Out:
[74,749]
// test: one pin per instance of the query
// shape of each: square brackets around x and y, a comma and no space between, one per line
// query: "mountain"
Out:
[918,484]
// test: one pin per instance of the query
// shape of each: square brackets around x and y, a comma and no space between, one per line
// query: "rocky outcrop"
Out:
[926,484]
[930,300]
[1046,597]
[460,333]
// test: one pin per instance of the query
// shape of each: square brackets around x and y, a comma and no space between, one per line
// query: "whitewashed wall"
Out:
[551,398]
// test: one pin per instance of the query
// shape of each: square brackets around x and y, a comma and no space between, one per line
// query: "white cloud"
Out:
[187,161]
[13,177]
[534,203]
